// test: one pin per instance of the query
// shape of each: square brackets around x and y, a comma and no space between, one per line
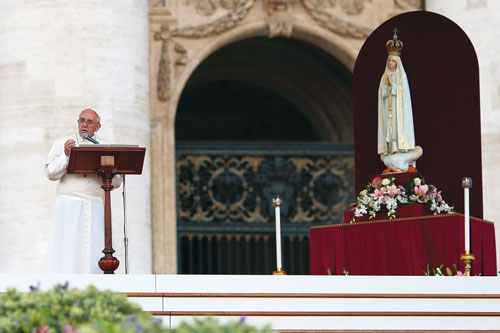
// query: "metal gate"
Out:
[225,215]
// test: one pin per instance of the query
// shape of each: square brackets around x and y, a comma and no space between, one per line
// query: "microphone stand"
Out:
[125,239]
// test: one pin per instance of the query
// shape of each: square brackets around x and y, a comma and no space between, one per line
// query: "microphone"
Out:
[85,136]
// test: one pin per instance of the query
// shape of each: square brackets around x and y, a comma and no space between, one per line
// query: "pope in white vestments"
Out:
[77,236]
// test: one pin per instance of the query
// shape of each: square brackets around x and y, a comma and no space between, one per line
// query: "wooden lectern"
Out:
[106,161]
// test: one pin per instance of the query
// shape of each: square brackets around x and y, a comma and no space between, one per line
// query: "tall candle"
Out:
[466,184]
[277,202]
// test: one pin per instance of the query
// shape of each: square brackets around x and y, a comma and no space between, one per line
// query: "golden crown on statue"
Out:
[394,45]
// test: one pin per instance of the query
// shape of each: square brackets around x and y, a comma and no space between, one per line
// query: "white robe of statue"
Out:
[396,138]
[77,236]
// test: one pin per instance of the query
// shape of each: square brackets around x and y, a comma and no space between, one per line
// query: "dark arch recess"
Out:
[262,89]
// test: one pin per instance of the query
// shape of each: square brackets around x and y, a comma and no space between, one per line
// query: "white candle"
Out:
[277,204]
[467,219]
[466,184]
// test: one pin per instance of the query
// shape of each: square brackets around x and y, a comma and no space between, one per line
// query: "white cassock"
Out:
[77,236]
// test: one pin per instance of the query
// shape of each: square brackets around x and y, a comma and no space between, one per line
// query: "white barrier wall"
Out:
[59,57]
[303,303]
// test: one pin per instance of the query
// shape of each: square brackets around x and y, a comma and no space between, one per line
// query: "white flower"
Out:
[391,204]
[363,193]
[425,187]
[402,199]
[417,181]
[386,181]
[366,199]
[359,211]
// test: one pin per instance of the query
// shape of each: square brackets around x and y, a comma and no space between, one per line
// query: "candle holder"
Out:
[277,203]
[279,271]
[466,182]
[467,258]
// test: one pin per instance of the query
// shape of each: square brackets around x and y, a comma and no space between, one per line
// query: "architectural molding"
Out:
[218,26]
[209,7]
[165,35]
[333,23]
[279,20]
[409,4]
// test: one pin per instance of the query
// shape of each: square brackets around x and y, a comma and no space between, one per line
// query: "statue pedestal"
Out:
[400,178]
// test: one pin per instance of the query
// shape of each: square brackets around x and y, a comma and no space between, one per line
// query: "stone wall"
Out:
[59,57]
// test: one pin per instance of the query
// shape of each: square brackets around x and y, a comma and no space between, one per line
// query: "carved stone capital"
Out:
[280,21]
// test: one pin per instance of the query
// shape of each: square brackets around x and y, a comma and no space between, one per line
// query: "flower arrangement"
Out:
[384,194]
[439,271]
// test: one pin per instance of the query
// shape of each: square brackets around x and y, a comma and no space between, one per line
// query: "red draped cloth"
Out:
[403,246]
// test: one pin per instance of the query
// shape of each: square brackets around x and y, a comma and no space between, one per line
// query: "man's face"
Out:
[87,123]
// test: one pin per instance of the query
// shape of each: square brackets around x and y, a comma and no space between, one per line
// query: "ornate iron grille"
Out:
[224,194]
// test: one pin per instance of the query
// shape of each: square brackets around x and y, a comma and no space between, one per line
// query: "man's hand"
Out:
[67,146]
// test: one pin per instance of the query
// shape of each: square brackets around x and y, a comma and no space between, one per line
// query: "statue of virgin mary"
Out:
[396,138]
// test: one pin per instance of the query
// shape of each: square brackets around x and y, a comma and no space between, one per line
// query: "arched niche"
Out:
[163,126]
[443,73]
[271,88]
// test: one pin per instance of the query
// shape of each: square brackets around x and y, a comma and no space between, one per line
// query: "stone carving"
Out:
[163,83]
[353,7]
[218,26]
[350,7]
[181,58]
[279,20]
[409,4]
[158,3]
[240,189]
[332,23]
[161,7]
[208,7]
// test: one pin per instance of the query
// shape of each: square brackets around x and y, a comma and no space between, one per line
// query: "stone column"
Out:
[59,57]
[480,21]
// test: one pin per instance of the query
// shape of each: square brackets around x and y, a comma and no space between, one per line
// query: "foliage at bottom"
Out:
[65,310]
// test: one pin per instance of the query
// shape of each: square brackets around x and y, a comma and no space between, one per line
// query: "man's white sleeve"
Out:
[57,161]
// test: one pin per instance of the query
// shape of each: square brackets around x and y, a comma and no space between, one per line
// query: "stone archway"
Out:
[163,136]
[183,35]
[277,98]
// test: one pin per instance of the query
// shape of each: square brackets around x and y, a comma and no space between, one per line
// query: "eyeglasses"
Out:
[88,121]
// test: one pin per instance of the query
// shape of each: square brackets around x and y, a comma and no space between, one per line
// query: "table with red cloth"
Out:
[402,246]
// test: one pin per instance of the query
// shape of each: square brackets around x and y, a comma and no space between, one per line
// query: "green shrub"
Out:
[64,310]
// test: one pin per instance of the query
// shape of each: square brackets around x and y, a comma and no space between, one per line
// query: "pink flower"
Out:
[420,190]
[376,181]
[393,190]
[460,274]
[43,329]
[379,193]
